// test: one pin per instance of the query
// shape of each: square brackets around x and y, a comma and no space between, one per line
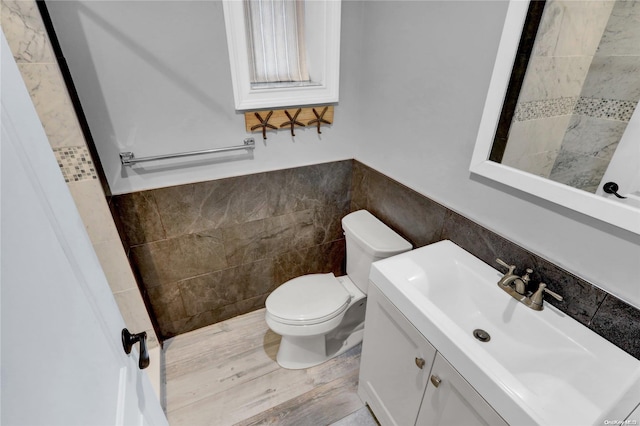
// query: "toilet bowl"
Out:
[320,316]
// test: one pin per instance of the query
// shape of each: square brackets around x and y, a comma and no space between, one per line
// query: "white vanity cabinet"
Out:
[395,363]
[405,381]
[450,400]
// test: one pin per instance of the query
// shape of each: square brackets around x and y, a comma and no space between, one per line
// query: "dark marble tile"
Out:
[359,182]
[412,215]
[619,323]
[166,302]
[179,258]
[195,207]
[229,286]
[309,187]
[173,328]
[268,237]
[581,299]
[209,251]
[329,257]
[328,223]
[484,244]
[138,217]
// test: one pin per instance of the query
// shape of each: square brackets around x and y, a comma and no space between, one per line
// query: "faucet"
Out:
[516,287]
[520,283]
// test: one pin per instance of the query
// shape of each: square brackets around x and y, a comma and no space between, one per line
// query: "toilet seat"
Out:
[309,299]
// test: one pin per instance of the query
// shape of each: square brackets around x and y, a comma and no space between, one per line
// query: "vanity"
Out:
[445,343]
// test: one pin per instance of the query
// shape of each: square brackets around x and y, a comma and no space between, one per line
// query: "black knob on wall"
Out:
[128,340]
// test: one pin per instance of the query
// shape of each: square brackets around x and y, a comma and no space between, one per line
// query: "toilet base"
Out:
[298,352]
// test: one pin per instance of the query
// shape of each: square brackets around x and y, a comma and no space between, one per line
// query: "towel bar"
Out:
[128,158]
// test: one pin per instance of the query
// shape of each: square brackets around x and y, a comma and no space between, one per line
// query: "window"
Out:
[283,52]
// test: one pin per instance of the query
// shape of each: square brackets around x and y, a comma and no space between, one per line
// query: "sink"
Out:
[539,367]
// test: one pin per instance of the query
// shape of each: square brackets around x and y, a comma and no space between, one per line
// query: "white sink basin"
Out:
[539,367]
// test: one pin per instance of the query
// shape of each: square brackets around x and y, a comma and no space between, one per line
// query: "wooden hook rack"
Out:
[290,118]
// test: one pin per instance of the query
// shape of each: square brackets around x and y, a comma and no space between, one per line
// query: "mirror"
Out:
[561,104]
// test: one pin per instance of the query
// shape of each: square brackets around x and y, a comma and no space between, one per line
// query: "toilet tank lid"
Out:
[371,233]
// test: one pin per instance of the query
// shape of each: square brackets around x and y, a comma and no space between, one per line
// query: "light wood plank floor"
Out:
[226,374]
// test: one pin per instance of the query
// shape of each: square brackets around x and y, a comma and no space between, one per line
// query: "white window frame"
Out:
[323,44]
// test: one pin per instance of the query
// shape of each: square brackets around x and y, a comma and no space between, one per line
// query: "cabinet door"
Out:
[395,363]
[450,400]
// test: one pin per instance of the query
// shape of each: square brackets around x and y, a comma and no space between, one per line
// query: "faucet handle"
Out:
[536,298]
[511,268]
[553,293]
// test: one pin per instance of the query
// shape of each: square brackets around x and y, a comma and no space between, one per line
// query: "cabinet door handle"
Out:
[420,363]
[436,381]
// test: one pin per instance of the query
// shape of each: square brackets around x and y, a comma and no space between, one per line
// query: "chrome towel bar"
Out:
[128,159]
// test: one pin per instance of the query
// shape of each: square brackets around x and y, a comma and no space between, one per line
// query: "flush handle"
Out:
[420,363]
[435,380]
[128,340]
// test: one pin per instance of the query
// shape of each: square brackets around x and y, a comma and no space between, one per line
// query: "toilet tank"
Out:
[368,240]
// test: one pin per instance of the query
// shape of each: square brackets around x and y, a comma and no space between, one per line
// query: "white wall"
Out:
[434,98]
[413,84]
[154,78]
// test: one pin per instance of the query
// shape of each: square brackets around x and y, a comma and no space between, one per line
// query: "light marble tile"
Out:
[115,265]
[93,208]
[533,144]
[578,170]
[622,35]
[562,30]
[25,32]
[539,164]
[613,77]
[53,105]
[593,136]
[554,77]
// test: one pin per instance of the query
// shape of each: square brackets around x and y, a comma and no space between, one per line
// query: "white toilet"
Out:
[320,316]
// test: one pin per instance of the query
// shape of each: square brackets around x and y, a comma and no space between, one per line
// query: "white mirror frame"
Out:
[328,14]
[604,209]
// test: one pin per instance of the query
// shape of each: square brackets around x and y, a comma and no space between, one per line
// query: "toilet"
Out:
[320,316]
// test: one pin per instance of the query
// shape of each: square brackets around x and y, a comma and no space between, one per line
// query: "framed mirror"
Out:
[560,119]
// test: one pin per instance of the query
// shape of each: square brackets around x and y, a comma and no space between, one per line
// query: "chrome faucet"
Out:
[516,287]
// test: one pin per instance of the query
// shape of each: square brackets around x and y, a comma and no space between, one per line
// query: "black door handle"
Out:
[612,188]
[128,340]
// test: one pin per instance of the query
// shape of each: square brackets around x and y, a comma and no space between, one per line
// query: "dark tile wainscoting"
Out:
[423,221]
[209,251]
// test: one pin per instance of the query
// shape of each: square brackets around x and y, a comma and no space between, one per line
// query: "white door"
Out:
[62,361]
